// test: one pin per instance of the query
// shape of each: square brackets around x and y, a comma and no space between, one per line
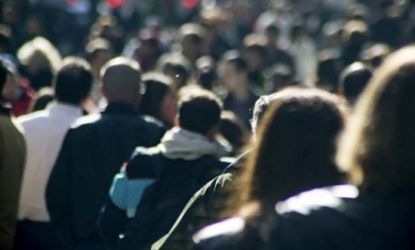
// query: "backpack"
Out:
[126,193]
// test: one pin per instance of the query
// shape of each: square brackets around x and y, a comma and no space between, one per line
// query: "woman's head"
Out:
[295,146]
[159,100]
[377,148]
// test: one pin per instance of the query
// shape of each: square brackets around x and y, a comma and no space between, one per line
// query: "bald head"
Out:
[121,78]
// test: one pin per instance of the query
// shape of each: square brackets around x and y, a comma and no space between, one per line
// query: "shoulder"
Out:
[145,163]
[34,123]
[86,120]
[307,202]
[33,117]
[221,235]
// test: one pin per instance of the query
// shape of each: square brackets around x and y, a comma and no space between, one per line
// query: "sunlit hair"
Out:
[41,52]
[295,147]
[377,148]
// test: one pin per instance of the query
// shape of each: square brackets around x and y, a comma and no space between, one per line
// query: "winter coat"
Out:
[177,179]
[92,153]
[12,162]
[208,205]
[330,218]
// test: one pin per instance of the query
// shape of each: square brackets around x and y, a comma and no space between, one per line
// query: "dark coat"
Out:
[12,162]
[208,205]
[176,181]
[331,218]
[92,153]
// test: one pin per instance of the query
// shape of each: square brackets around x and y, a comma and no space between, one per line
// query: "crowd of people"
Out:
[207,125]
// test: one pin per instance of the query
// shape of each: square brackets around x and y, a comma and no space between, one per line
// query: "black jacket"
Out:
[176,181]
[206,206]
[92,153]
[332,218]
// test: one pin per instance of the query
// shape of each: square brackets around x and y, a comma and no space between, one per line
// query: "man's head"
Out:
[353,80]
[233,71]
[200,112]
[191,38]
[98,52]
[121,79]
[73,81]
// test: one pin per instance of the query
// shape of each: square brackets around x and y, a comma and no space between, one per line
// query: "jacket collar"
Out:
[64,109]
[119,108]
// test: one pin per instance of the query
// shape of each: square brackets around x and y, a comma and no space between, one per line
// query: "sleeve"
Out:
[206,206]
[58,194]
[143,165]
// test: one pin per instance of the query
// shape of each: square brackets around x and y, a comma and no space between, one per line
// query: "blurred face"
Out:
[191,48]
[168,108]
[229,77]
[101,58]
[254,60]
[11,89]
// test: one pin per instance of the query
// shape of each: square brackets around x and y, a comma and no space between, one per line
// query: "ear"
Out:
[102,89]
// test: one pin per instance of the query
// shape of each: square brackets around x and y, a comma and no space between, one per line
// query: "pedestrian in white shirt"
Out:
[44,132]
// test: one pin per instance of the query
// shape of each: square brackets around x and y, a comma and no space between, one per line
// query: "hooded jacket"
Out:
[182,163]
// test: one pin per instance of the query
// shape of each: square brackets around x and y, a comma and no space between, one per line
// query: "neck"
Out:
[241,93]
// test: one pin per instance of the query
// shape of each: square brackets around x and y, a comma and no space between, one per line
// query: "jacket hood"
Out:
[178,143]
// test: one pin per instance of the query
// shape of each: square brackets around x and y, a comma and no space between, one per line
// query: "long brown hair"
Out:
[295,148]
[377,148]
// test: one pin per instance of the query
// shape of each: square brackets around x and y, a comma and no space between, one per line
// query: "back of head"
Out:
[157,86]
[328,70]
[43,98]
[73,81]
[200,111]
[41,52]
[295,146]
[121,78]
[261,106]
[353,80]
[235,59]
[233,130]
[95,46]
[177,67]
[377,146]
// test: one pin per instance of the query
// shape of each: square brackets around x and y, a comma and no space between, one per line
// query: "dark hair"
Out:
[261,106]
[294,149]
[199,111]
[233,130]
[176,66]
[157,86]
[43,98]
[234,57]
[328,70]
[353,80]
[73,81]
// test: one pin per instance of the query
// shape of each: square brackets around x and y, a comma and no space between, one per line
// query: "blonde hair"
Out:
[41,52]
